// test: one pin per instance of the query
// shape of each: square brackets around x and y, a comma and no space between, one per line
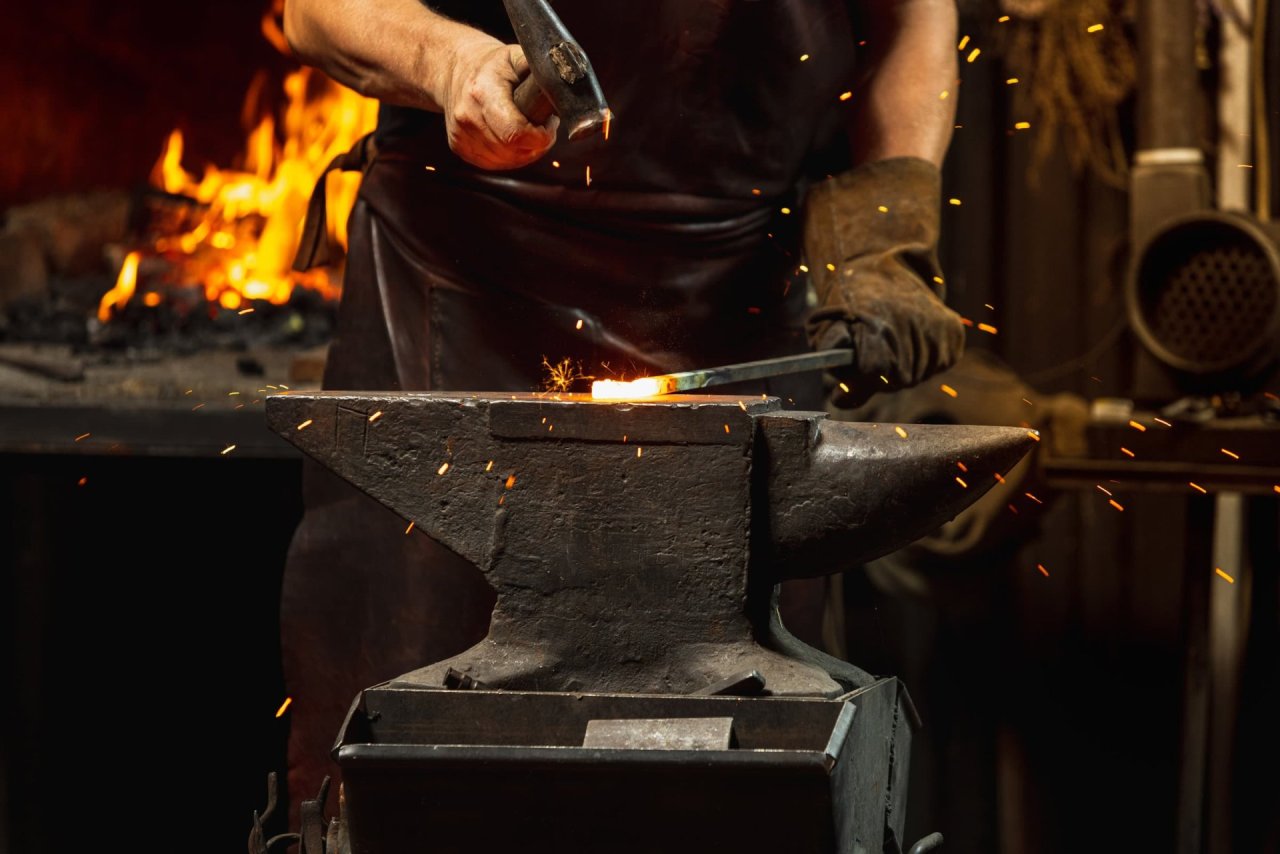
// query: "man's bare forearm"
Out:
[397,51]
[911,60]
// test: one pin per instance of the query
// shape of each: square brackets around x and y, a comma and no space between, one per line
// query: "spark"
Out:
[1003,19]
[639,451]
[939,280]
[844,96]
[742,406]
[831,268]
[987,327]
[375,416]
[973,55]
[1141,428]
[999,478]
[1011,81]
[1116,504]
[1231,454]
[1128,453]
[949,391]
[943,95]
[960,481]
[83,436]
[283,386]
[284,707]
[555,163]
[901,433]
[1033,498]
[844,388]
[804,57]
[1096,28]
[882,209]
[578,325]
[1027,402]
[755,191]
[408,529]
[1043,571]
[1034,435]
[197,406]
[956,202]
[1245,165]
[1022,126]
[511,481]
[786,211]
[1012,509]
[804,268]
[608,120]
[188,391]
[964,42]
[232,393]
[228,449]
[242,312]
[588,176]
[305,424]
[489,467]
[1103,490]
[964,468]
[1198,488]
[1162,421]
[726,428]
[444,467]
[82,481]
[1228,578]
[429,168]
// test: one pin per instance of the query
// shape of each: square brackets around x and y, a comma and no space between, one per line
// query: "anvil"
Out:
[635,545]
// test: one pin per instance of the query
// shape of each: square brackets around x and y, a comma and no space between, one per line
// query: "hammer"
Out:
[560,79]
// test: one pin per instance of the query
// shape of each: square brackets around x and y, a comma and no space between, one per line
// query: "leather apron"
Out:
[678,254]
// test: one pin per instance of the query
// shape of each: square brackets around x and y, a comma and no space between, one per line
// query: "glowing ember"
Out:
[616,390]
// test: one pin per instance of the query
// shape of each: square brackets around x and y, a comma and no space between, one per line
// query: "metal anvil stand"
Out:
[637,691]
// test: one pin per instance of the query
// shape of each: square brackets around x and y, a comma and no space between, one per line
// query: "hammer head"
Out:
[559,67]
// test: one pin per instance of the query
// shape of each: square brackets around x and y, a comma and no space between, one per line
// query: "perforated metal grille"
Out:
[1208,294]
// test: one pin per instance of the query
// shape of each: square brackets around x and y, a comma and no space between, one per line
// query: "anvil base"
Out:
[465,770]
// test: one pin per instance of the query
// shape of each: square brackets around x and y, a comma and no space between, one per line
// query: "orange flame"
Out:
[126,283]
[242,248]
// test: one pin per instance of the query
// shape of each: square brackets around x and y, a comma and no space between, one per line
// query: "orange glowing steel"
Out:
[616,390]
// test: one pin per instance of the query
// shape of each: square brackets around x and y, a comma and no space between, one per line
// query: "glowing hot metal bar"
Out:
[692,380]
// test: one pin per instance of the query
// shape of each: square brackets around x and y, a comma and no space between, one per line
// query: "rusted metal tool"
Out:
[635,548]
[560,79]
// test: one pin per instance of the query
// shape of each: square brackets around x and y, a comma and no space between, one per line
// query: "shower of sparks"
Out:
[284,707]
[375,416]
[1231,454]
[409,529]
[1197,487]
[949,391]
[562,375]
[1226,577]
[305,424]
[444,467]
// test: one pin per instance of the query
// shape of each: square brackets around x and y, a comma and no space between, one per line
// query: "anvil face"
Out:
[627,541]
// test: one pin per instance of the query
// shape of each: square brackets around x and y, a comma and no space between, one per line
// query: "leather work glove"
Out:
[870,239]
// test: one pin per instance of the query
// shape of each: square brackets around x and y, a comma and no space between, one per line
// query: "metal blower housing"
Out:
[1204,296]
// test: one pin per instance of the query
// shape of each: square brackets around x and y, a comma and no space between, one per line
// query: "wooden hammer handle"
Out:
[533,102]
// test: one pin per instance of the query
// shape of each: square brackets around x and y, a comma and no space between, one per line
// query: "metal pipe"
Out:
[1168,108]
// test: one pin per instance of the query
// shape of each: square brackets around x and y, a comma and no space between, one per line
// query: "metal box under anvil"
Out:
[444,771]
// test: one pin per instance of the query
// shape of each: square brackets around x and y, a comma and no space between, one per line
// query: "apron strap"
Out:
[314,249]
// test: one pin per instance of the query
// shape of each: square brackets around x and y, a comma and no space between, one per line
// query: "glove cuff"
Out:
[887,208]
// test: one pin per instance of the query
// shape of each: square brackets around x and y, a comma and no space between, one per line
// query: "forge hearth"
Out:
[635,548]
